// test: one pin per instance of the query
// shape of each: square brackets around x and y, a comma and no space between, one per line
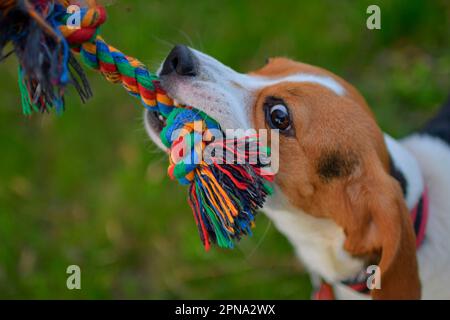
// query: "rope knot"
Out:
[90,20]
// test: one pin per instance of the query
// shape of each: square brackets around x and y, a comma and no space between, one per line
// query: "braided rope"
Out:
[135,78]
[224,198]
[112,63]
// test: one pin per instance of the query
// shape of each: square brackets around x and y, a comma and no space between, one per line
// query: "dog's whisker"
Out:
[260,241]
[187,37]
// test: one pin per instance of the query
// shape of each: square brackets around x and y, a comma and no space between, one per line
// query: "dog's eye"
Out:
[278,117]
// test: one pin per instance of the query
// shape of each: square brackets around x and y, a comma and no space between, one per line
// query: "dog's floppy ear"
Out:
[379,223]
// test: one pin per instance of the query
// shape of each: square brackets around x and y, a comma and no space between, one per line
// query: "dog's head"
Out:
[333,162]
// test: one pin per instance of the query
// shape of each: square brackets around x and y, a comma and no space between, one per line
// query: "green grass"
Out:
[89,188]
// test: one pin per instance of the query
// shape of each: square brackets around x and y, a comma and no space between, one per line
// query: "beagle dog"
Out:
[346,195]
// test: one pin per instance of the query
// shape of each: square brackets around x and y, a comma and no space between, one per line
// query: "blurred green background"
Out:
[89,188]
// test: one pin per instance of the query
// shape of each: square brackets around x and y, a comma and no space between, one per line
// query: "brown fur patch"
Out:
[336,164]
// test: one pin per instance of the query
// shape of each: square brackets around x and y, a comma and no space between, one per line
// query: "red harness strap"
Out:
[325,292]
[419,218]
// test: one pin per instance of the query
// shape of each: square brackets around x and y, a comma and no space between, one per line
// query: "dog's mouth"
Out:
[156,120]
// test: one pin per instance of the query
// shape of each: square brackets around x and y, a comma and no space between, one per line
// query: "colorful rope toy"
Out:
[224,197]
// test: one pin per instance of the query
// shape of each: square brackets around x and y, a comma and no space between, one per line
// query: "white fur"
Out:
[408,165]
[228,97]
[324,81]
[317,241]
[433,156]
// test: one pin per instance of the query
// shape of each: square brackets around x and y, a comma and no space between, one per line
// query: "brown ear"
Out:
[380,224]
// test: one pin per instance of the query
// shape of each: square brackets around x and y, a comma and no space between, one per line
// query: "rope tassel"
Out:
[224,211]
[224,196]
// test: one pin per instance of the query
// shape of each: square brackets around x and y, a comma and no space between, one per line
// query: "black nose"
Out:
[179,60]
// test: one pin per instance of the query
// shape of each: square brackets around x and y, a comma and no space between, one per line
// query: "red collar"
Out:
[419,219]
